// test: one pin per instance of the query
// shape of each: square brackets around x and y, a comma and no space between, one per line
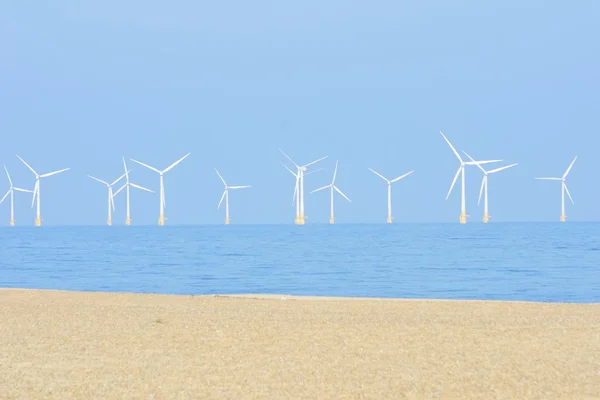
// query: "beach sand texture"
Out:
[72,345]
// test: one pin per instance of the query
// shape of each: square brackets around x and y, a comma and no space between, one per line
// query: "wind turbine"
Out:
[389,195]
[226,196]
[111,202]
[11,191]
[161,216]
[299,191]
[564,189]
[333,187]
[484,183]
[127,185]
[295,198]
[461,171]
[36,188]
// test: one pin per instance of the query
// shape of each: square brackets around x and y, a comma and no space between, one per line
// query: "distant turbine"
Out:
[111,202]
[333,187]
[389,195]
[564,189]
[226,196]
[484,183]
[36,188]
[161,216]
[295,198]
[461,171]
[11,191]
[299,191]
[126,186]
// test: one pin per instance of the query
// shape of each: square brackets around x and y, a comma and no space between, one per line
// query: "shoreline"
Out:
[68,344]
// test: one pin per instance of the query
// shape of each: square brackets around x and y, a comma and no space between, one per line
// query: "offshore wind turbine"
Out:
[126,186]
[389,192]
[332,187]
[11,191]
[161,216]
[484,184]
[111,202]
[226,196]
[36,188]
[296,187]
[299,191]
[461,171]
[564,189]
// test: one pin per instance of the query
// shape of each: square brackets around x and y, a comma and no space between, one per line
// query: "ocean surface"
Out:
[550,262]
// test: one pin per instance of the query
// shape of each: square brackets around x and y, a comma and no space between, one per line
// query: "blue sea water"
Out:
[550,262]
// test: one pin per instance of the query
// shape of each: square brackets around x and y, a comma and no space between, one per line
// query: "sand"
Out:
[72,345]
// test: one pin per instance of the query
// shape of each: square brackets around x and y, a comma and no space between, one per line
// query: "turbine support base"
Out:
[486,218]
[300,220]
[227,221]
[389,220]
[331,220]
[128,221]
[38,221]
[161,220]
[12,222]
[109,222]
[463,218]
[563,218]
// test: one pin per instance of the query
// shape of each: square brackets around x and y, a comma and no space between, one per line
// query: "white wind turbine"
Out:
[161,217]
[126,186]
[11,191]
[111,202]
[36,188]
[461,171]
[564,189]
[389,193]
[484,184]
[332,187]
[299,191]
[296,187]
[226,196]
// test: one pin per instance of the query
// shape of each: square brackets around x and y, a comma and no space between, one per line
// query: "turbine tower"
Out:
[111,202]
[300,186]
[11,191]
[564,189]
[332,187]
[484,184]
[461,171]
[389,192]
[126,186]
[226,196]
[36,188]
[161,216]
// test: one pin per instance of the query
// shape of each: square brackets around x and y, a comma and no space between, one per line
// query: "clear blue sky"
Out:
[368,83]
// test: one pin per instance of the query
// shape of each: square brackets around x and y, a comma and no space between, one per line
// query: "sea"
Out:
[544,262]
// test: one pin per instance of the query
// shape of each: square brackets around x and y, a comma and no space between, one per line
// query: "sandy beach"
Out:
[72,345]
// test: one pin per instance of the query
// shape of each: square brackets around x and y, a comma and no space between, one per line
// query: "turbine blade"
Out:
[401,177]
[453,182]
[96,179]
[126,170]
[118,191]
[140,187]
[22,190]
[170,167]
[5,196]
[239,187]
[567,190]
[316,161]
[112,201]
[569,169]
[295,198]
[471,158]
[482,162]
[145,165]
[335,172]
[8,175]
[502,168]
[286,167]
[54,172]
[117,180]
[321,188]
[313,171]
[222,197]
[481,190]
[222,180]
[288,157]
[340,192]
[27,165]
[452,147]
[549,179]
[379,175]
[35,189]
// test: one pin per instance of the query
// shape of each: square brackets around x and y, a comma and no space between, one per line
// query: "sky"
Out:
[370,84]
